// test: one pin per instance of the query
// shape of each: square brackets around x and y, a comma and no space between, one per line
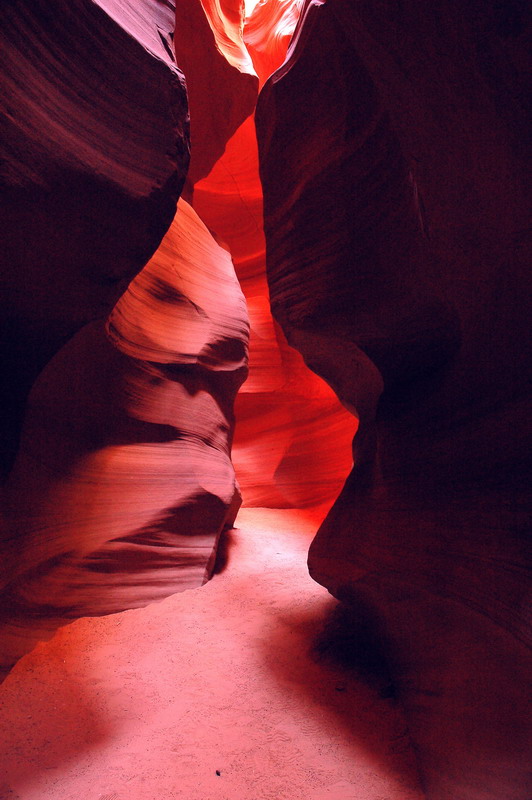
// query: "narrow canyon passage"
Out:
[124,478]
[265,430]
[224,679]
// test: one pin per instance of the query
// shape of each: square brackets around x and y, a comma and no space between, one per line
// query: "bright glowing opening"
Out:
[249,6]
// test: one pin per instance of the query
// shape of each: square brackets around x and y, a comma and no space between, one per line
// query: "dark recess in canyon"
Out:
[394,254]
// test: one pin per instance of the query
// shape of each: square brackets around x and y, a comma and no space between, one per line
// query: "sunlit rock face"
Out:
[95,151]
[394,218]
[267,33]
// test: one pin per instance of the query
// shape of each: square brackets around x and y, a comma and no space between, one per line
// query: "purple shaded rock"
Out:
[394,212]
[95,152]
[124,479]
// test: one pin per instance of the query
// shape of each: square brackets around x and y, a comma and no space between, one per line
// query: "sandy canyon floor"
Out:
[240,690]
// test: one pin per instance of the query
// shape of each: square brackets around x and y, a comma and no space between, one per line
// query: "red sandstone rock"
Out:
[415,127]
[95,147]
[293,438]
[267,33]
[387,121]
[124,479]
[221,81]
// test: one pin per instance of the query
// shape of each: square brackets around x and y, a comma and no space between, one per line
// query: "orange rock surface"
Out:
[293,438]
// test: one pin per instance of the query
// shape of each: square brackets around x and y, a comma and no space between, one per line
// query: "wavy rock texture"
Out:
[95,151]
[124,479]
[415,129]
[267,33]
[292,444]
[391,163]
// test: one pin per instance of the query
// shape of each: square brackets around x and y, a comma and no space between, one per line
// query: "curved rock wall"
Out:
[95,152]
[123,479]
[292,442]
[391,148]
[394,218]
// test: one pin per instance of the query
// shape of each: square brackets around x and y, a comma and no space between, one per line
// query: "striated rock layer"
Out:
[394,215]
[391,162]
[124,478]
[292,438]
[95,151]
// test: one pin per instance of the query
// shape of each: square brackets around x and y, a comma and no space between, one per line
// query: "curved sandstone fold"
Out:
[394,210]
[292,442]
[95,149]
[124,479]
[267,33]
[287,417]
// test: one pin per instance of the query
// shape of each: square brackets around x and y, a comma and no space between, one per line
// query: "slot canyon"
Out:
[265,352]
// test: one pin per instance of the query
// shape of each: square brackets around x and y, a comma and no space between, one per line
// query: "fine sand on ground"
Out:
[213,694]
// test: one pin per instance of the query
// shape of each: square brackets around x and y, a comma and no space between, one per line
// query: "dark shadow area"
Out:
[348,642]
[226,543]
[338,679]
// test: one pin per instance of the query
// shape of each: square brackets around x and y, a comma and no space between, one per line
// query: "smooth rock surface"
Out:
[394,218]
[221,81]
[153,702]
[94,154]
